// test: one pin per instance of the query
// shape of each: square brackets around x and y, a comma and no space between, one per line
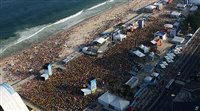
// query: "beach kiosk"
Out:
[44,76]
[48,69]
[161,35]
[85,91]
[119,37]
[92,84]
[47,72]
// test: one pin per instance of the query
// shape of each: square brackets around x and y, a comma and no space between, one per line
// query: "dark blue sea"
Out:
[21,14]
[25,21]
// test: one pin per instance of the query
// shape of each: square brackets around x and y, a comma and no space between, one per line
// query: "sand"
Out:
[65,42]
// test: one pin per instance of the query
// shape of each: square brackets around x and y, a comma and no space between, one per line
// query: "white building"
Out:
[10,100]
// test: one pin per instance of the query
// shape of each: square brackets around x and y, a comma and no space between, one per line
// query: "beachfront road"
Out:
[186,67]
[165,102]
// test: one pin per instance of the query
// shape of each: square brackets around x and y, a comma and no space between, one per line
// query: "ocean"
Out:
[24,22]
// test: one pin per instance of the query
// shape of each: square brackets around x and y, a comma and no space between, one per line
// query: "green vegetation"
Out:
[193,20]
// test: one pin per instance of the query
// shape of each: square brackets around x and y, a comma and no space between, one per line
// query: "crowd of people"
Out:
[62,90]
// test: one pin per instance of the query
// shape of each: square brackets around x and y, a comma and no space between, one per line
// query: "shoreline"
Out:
[61,38]
[65,29]
[62,43]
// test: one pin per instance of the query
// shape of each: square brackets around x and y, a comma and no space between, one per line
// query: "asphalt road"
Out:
[185,64]
[165,101]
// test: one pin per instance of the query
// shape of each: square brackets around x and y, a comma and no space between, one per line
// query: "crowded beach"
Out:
[62,90]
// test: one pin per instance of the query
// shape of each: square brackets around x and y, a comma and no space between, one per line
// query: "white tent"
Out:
[132,82]
[148,79]
[120,104]
[138,53]
[150,7]
[154,74]
[161,35]
[168,26]
[175,14]
[144,48]
[100,40]
[44,76]
[119,37]
[197,2]
[10,100]
[106,99]
[179,5]
[179,40]
[110,101]
[86,91]
[193,8]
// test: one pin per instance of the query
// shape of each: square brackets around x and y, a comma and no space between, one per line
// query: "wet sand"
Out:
[65,42]
[59,45]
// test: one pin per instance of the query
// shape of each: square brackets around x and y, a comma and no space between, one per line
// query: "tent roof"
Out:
[181,5]
[113,100]
[144,48]
[100,40]
[168,25]
[151,7]
[120,103]
[10,100]
[148,78]
[107,97]
[154,74]
[132,81]
[194,2]
[159,33]
[86,90]
[194,8]
[178,39]
[138,53]
[120,36]
[175,13]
